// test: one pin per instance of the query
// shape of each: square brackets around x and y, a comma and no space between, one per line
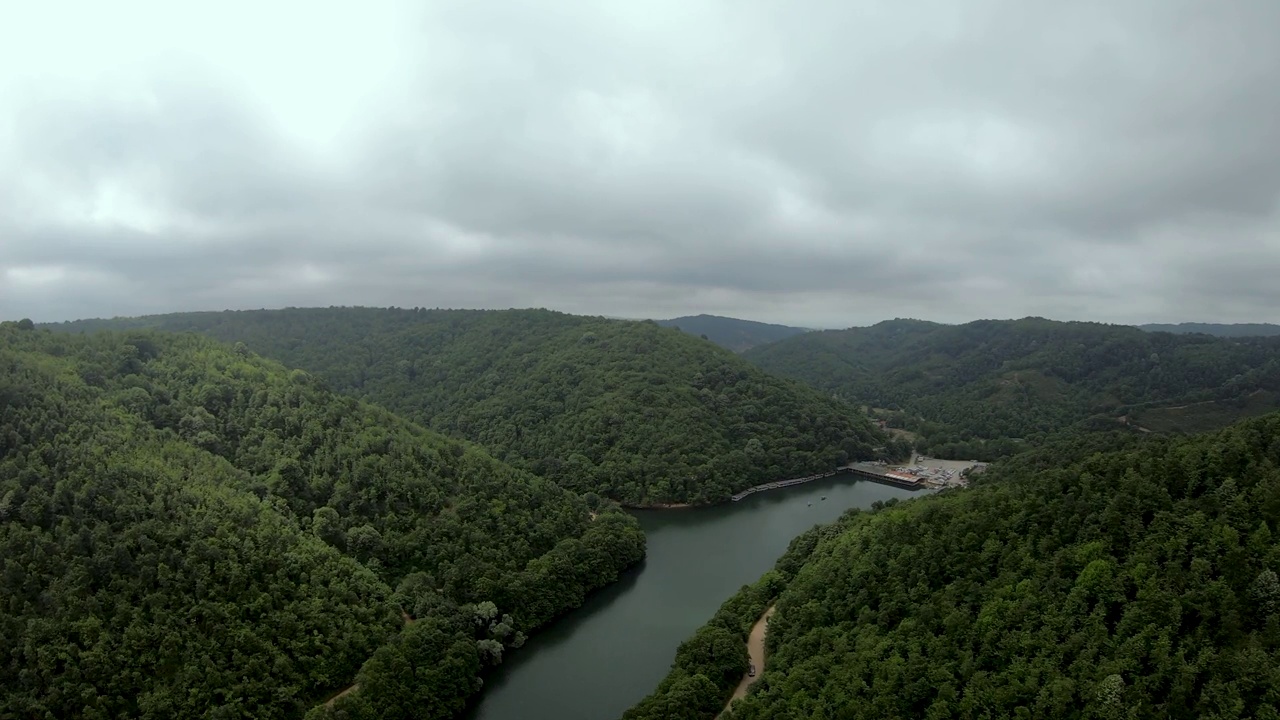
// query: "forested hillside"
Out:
[732,333]
[191,531]
[1135,583]
[989,388]
[631,410]
[1218,329]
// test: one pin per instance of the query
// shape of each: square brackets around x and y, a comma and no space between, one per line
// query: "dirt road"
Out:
[408,620]
[755,648]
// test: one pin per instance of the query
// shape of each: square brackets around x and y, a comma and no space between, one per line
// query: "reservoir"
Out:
[605,656]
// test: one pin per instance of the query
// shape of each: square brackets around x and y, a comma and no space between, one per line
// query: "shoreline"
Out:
[780,484]
[862,470]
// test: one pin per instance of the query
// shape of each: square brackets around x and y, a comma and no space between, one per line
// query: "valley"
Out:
[502,514]
[558,360]
[606,657]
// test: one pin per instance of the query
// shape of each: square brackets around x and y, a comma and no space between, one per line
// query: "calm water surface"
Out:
[602,658]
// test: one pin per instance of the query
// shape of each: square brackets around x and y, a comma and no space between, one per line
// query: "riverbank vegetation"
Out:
[991,389]
[639,413]
[709,665]
[1136,582]
[187,530]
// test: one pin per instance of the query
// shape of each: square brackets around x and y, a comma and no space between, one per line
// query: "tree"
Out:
[715,653]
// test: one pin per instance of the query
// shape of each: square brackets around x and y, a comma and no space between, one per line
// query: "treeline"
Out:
[731,333]
[629,410]
[1136,582]
[1218,329]
[990,388]
[187,530]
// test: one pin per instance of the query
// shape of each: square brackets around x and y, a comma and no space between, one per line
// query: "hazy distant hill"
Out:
[977,387]
[1218,329]
[737,335]
[628,409]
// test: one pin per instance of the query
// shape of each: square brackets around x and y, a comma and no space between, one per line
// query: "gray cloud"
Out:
[817,163]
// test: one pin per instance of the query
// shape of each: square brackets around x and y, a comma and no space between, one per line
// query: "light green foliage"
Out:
[190,531]
[629,410]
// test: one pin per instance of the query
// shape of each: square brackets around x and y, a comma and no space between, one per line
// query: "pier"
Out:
[865,471]
[782,483]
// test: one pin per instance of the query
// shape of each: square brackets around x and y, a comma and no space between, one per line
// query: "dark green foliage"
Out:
[405,678]
[732,333]
[630,410]
[709,665]
[1217,329]
[1133,583]
[989,389]
[189,531]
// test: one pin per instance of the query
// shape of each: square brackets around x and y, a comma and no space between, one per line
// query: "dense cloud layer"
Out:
[816,163]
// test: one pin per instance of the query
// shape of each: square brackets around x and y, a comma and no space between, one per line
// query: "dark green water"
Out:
[605,656]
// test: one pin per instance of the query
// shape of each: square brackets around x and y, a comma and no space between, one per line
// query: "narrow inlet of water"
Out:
[605,656]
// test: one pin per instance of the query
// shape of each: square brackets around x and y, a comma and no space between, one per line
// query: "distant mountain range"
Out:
[976,390]
[742,335]
[732,333]
[1217,329]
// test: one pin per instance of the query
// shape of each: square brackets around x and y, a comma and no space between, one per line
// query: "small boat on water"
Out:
[824,497]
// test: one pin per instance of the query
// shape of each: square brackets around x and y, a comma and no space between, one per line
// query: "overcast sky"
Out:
[825,164]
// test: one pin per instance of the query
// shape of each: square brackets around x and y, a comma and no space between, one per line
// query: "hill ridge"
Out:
[732,333]
[971,390]
[640,413]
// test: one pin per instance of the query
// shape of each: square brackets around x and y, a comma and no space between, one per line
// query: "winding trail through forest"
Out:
[408,620]
[755,648]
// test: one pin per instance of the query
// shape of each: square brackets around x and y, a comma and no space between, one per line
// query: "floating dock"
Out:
[865,471]
[880,474]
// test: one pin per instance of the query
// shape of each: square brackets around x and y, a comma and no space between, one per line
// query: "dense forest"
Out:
[732,333]
[1218,329]
[630,410]
[187,530]
[1066,583]
[991,388]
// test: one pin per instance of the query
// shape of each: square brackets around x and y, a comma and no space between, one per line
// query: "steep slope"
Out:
[631,410]
[1217,329]
[732,333]
[187,531]
[977,390]
[1134,583]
